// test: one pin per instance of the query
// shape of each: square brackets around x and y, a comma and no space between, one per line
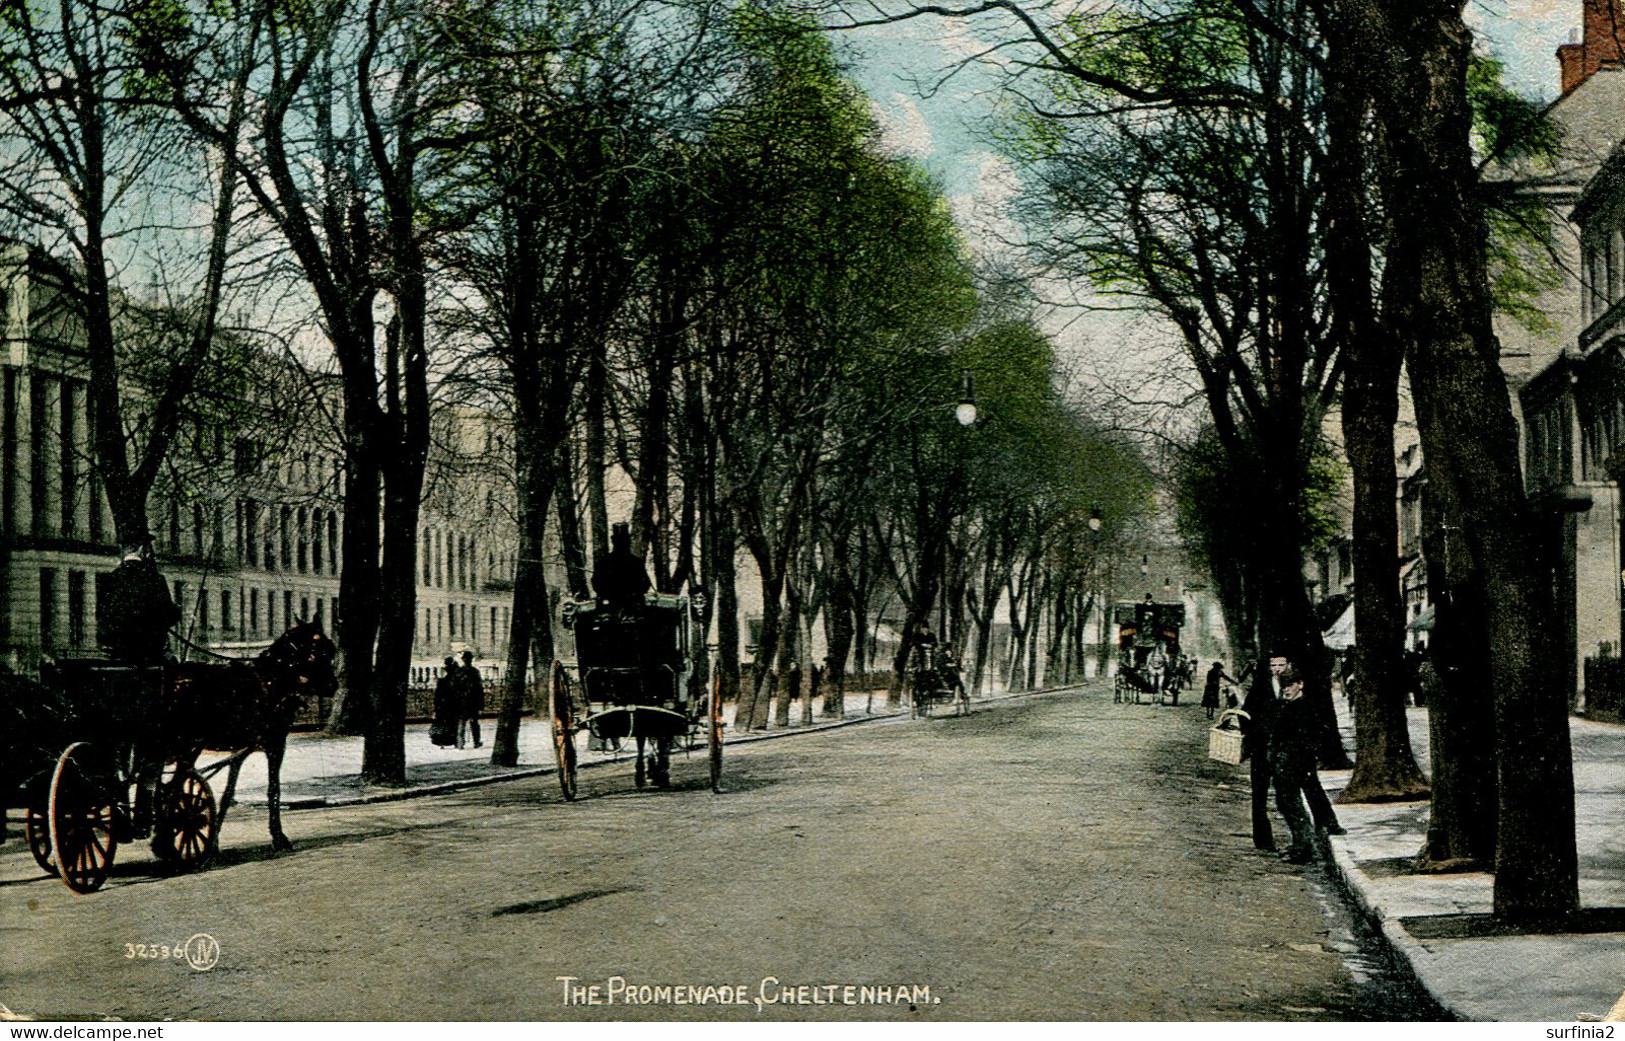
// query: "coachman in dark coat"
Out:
[618,577]
[135,611]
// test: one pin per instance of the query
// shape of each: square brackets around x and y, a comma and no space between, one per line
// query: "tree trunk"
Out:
[596,454]
[572,544]
[1437,261]
[1384,768]
[1461,720]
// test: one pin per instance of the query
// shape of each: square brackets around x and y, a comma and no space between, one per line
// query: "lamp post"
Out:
[965,411]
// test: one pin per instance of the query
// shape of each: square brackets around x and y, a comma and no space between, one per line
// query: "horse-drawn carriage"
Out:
[100,753]
[634,662]
[934,680]
[1147,649]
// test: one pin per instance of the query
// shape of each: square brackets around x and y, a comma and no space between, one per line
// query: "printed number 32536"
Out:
[153,951]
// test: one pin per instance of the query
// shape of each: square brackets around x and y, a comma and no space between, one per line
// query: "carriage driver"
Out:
[135,612]
[618,577]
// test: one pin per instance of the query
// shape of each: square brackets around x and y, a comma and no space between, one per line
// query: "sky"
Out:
[944,125]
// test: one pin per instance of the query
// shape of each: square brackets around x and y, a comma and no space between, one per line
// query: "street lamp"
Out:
[1094,520]
[965,411]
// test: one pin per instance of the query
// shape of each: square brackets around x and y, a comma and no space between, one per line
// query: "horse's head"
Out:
[303,657]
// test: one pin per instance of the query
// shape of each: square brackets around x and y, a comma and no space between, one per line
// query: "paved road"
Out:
[1059,857]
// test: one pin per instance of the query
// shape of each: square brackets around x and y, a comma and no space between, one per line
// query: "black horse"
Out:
[246,707]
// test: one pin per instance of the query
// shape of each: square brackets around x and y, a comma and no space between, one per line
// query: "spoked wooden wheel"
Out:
[714,733]
[38,828]
[81,816]
[564,731]
[185,822]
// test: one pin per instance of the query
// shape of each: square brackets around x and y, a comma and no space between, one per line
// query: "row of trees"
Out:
[662,241]
[1293,186]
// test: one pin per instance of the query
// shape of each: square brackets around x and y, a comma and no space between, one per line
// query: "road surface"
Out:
[1056,857]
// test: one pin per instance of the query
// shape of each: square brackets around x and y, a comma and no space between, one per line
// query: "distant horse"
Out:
[249,706]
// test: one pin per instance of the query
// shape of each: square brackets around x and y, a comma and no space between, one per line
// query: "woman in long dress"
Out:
[448,706]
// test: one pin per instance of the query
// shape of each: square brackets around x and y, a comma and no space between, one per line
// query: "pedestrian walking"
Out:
[792,682]
[1261,705]
[815,678]
[473,699]
[447,706]
[1292,760]
[1210,692]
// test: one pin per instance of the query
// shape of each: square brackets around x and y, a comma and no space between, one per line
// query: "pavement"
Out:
[320,770]
[1439,924]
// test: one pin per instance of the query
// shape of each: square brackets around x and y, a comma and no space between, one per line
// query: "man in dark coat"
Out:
[618,577]
[1292,755]
[135,611]
[473,696]
[1262,703]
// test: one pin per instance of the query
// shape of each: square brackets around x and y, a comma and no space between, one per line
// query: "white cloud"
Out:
[903,128]
[986,205]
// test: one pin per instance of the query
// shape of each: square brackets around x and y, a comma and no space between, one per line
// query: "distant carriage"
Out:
[634,663]
[1146,630]
[934,680]
[100,753]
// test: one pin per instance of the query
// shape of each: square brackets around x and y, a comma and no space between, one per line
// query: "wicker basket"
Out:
[1224,740]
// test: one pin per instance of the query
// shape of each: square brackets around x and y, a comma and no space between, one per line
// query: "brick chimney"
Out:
[1599,47]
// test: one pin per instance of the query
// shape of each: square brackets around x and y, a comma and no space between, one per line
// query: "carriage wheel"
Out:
[39,838]
[714,733]
[564,744]
[81,816]
[185,824]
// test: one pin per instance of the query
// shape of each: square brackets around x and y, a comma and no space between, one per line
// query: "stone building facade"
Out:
[247,516]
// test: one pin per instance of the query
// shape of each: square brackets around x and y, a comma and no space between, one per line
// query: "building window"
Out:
[287,609]
[203,614]
[428,558]
[69,458]
[316,541]
[76,608]
[302,557]
[270,612]
[304,609]
[251,531]
[333,545]
[286,536]
[48,625]
[226,624]
[253,612]
[197,530]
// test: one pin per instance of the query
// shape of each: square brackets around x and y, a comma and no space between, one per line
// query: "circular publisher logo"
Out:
[202,952]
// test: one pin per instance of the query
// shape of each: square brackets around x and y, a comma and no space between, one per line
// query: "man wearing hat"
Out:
[473,699]
[135,611]
[618,577]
